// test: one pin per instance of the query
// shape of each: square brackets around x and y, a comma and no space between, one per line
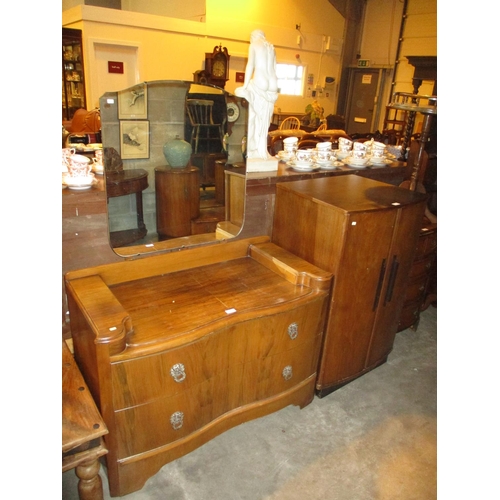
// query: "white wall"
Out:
[172,48]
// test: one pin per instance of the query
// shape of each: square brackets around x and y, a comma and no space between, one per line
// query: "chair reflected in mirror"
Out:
[290,123]
[200,114]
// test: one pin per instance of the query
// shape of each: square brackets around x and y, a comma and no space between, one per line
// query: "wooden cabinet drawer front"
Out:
[427,243]
[148,378]
[274,334]
[280,372]
[423,266]
[149,426]
[416,289]
[175,371]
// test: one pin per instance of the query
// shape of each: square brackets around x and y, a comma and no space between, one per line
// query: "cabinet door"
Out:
[399,261]
[358,286]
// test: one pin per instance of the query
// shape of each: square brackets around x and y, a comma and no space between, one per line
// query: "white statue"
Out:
[260,89]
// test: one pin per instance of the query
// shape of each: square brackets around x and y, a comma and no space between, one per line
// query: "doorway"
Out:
[109,77]
[364,84]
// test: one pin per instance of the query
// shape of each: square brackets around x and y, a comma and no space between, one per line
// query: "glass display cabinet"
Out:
[73,79]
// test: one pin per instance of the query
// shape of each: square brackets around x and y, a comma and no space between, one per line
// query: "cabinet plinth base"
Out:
[325,391]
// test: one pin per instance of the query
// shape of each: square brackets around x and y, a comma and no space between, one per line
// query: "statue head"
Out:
[256,35]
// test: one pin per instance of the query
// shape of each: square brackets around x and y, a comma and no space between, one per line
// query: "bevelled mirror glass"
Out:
[163,204]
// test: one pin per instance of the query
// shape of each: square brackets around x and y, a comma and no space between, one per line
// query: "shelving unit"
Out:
[73,76]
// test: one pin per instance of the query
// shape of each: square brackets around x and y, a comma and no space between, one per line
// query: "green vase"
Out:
[177,152]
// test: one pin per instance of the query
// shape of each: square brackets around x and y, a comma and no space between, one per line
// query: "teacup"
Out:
[304,156]
[359,150]
[345,144]
[79,166]
[98,166]
[378,149]
[323,156]
[66,154]
[290,144]
[378,153]
[324,146]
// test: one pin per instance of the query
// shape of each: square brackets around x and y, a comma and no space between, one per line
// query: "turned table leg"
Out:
[90,483]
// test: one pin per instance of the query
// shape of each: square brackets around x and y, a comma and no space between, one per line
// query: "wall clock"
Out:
[217,66]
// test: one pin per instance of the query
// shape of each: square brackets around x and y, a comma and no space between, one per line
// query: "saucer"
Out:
[285,156]
[380,161]
[78,182]
[331,166]
[324,162]
[356,162]
[303,164]
[302,168]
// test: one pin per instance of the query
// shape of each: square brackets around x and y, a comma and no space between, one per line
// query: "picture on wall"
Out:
[134,139]
[132,102]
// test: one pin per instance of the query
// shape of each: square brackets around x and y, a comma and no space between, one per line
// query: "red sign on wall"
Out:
[240,77]
[115,67]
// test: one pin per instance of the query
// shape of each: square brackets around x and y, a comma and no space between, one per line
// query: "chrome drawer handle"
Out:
[178,372]
[293,331]
[177,420]
[287,372]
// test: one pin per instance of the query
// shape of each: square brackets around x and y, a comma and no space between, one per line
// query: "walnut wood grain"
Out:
[243,329]
[364,232]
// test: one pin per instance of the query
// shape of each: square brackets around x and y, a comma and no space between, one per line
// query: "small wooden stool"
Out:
[82,430]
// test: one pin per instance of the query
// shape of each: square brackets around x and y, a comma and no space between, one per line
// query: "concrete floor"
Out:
[373,439]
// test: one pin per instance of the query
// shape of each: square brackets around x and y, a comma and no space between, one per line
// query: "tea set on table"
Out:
[308,160]
[79,171]
[352,154]
[363,154]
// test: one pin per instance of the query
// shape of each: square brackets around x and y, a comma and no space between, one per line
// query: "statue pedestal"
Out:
[261,165]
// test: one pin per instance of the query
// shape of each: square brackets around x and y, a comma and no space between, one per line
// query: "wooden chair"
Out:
[290,123]
[200,116]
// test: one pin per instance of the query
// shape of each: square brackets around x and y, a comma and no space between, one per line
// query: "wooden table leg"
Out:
[90,483]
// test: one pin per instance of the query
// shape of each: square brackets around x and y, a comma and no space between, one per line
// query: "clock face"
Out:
[232,111]
[219,69]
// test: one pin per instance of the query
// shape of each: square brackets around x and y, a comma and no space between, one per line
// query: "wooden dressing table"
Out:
[177,348]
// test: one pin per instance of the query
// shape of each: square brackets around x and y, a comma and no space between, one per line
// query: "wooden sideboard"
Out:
[179,347]
[365,232]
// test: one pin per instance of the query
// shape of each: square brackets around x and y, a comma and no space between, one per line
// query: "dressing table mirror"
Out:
[152,205]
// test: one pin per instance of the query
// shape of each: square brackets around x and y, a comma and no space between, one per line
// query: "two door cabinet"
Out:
[364,232]
[177,348]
